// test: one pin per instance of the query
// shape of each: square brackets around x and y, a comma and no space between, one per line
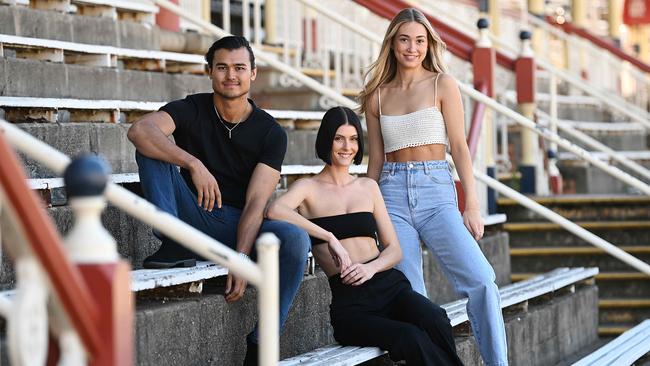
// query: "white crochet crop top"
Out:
[423,127]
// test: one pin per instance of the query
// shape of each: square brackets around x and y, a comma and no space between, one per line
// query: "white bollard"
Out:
[88,241]
[268,246]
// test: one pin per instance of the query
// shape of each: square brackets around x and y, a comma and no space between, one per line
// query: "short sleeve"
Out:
[182,112]
[275,147]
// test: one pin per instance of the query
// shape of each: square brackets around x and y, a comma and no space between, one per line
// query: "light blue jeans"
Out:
[421,201]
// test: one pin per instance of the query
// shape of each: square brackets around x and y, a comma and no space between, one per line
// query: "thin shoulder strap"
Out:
[435,88]
[379,100]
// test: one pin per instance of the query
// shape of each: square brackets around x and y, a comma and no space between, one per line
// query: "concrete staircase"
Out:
[536,246]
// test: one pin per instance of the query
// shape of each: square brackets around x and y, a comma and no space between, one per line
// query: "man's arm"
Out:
[261,187]
[150,135]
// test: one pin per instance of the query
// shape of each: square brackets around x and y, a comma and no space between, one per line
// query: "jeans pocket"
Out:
[441,177]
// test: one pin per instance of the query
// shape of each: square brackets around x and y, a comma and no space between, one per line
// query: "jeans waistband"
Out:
[415,165]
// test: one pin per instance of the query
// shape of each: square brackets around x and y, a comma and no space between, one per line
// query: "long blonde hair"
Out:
[385,68]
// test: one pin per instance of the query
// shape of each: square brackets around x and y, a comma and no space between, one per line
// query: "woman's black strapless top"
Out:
[347,225]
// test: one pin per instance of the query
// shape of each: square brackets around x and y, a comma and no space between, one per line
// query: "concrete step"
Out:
[623,311]
[613,330]
[542,234]
[570,107]
[110,141]
[580,177]
[273,90]
[634,138]
[542,259]
[582,207]
[23,78]
[28,22]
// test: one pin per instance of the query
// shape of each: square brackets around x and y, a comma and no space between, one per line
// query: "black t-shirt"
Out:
[258,139]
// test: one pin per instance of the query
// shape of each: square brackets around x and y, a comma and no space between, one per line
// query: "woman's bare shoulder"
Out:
[307,184]
[367,183]
[446,82]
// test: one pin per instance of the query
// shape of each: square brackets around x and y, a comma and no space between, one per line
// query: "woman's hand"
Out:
[474,223]
[339,254]
[357,274]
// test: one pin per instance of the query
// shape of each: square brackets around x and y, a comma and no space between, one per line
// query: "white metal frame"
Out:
[264,276]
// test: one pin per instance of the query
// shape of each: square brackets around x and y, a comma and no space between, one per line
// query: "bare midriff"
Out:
[417,153]
[360,249]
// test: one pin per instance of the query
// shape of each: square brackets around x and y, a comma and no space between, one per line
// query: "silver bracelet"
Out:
[244,255]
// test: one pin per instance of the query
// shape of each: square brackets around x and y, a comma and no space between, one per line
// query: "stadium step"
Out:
[582,207]
[623,220]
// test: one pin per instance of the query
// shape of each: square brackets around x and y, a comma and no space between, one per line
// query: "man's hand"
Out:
[207,189]
[235,288]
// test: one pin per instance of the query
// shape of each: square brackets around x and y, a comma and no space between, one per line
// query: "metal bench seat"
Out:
[622,351]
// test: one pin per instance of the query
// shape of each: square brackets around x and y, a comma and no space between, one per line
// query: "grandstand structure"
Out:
[557,105]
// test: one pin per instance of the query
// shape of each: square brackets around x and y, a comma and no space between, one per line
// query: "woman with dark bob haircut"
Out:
[354,242]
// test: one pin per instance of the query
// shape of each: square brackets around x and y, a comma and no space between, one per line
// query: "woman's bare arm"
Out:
[376,154]
[452,110]
[359,273]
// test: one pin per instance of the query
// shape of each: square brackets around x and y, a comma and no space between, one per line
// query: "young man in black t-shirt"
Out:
[230,154]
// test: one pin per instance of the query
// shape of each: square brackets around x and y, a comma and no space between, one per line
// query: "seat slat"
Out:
[623,350]
[146,279]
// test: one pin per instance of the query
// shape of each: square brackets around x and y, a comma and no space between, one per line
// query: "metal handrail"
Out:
[553,137]
[592,142]
[264,275]
[565,223]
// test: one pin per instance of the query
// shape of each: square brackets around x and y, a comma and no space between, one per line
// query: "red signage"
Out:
[636,12]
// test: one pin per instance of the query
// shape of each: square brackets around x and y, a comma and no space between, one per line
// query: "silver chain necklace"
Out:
[224,125]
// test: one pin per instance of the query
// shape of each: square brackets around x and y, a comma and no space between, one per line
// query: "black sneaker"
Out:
[170,255]
[252,354]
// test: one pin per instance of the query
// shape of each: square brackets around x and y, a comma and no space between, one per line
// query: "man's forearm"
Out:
[249,226]
[152,143]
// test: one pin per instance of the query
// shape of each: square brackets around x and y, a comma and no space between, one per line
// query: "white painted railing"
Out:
[595,144]
[264,276]
[610,74]
[573,228]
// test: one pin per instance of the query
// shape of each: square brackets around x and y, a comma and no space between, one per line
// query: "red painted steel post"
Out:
[167,20]
[110,285]
[525,77]
[484,66]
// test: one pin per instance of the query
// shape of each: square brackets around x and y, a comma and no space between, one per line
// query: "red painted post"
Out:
[110,285]
[484,64]
[167,20]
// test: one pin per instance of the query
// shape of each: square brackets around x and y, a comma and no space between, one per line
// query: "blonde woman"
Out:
[414,113]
